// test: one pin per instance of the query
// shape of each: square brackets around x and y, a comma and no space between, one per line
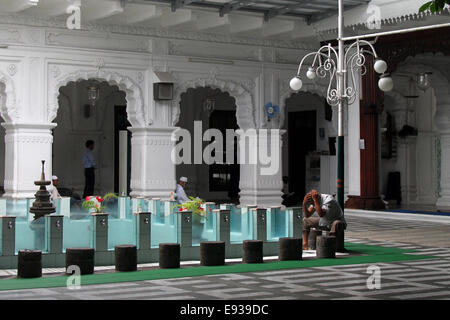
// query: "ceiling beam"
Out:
[177,4]
[100,9]
[137,13]
[210,21]
[174,19]
[275,12]
[240,24]
[233,5]
[18,5]
[277,27]
[50,8]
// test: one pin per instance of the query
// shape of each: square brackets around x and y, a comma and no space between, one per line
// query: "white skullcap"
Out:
[183,179]
[54,178]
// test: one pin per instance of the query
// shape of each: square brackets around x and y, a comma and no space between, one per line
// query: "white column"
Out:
[26,145]
[353,151]
[260,185]
[443,123]
[152,171]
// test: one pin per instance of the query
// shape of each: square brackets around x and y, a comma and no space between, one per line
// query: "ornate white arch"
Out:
[439,83]
[135,102]
[244,101]
[314,88]
[8,108]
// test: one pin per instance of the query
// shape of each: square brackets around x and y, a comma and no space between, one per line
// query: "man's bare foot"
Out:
[305,247]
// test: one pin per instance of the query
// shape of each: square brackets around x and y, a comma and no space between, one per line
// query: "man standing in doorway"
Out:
[89,166]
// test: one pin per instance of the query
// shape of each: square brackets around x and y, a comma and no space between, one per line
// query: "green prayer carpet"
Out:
[360,254]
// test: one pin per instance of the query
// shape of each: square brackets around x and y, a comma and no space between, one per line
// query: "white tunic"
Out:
[55,194]
[181,195]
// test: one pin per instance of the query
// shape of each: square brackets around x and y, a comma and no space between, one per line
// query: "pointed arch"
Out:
[135,102]
[244,102]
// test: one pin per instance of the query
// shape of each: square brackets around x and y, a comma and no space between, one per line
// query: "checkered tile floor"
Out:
[424,279]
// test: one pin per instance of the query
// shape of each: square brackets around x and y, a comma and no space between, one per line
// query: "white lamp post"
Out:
[338,64]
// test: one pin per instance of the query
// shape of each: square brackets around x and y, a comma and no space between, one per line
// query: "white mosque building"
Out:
[127,74]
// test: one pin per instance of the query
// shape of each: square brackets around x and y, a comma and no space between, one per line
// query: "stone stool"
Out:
[252,251]
[125,257]
[340,235]
[169,255]
[312,238]
[29,264]
[81,257]
[326,247]
[290,249]
[212,253]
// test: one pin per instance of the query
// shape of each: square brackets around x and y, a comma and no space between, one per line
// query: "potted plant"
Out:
[96,202]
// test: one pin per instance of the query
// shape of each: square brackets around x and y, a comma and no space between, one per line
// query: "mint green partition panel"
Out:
[77,232]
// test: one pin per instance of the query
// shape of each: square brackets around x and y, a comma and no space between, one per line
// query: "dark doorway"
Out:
[302,140]
[121,123]
[225,177]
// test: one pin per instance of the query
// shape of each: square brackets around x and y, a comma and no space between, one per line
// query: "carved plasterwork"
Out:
[60,23]
[135,102]
[244,101]
[8,107]
[285,92]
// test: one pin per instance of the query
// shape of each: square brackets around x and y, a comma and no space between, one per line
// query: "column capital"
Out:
[12,126]
[153,130]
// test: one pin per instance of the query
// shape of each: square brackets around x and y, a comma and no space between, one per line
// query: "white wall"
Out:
[254,72]
[416,158]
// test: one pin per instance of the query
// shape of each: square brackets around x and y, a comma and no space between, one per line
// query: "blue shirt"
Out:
[88,159]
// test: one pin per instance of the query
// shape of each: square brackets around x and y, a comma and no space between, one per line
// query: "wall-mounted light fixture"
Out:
[209,104]
[93,93]
[424,80]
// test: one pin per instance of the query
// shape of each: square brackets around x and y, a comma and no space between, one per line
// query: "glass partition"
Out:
[240,225]
[121,232]
[276,224]
[77,232]
[163,230]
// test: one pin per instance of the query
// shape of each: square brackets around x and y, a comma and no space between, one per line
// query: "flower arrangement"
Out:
[96,203]
[194,205]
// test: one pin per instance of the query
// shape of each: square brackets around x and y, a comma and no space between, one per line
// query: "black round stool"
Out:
[125,257]
[29,264]
[312,238]
[81,257]
[212,253]
[290,249]
[252,251]
[326,247]
[169,255]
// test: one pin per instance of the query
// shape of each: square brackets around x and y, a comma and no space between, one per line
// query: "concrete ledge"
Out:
[398,216]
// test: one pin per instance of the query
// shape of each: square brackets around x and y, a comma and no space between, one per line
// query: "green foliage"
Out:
[194,205]
[434,6]
[96,203]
